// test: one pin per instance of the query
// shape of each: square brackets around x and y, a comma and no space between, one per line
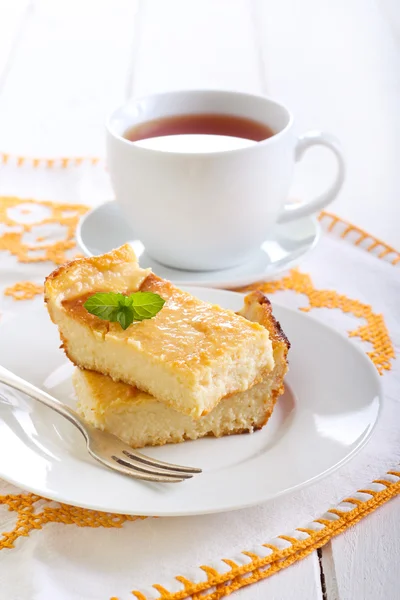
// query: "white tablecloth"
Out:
[68,553]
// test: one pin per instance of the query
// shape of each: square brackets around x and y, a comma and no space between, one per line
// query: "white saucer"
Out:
[104,228]
[330,407]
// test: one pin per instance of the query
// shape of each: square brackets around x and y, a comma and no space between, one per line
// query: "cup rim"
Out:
[263,143]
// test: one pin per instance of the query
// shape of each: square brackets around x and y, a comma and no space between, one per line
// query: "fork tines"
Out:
[148,469]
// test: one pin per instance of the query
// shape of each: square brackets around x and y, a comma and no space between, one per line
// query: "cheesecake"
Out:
[190,355]
[139,419]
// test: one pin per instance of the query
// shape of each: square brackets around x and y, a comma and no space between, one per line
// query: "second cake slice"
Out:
[190,355]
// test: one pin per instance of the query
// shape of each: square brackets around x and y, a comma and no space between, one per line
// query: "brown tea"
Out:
[200,124]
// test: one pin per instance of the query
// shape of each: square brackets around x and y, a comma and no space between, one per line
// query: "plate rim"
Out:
[56,496]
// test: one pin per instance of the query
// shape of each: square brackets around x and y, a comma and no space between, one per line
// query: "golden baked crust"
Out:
[96,273]
[190,355]
[258,308]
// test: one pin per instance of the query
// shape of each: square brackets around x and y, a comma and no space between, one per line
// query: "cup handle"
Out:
[316,138]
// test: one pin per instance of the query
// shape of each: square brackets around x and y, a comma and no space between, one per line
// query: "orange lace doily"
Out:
[21,217]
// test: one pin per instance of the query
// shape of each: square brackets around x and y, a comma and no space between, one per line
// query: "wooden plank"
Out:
[13,17]
[69,70]
[196,44]
[300,581]
[363,562]
[390,9]
[337,66]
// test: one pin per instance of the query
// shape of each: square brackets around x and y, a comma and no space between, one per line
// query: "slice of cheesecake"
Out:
[141,420]
[190,355]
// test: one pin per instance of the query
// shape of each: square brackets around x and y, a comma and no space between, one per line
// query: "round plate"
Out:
[325,417]
[104,228]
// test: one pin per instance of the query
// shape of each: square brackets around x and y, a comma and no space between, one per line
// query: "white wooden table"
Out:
[64,64]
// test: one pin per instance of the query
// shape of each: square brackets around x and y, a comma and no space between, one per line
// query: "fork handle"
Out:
[36,393]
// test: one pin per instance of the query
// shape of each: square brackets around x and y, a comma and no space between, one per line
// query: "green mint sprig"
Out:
[116,307]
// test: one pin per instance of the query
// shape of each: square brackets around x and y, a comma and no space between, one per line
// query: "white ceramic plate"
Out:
[324,418]
[104,228]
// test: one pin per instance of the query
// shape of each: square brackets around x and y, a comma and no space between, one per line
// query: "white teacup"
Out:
[209,210]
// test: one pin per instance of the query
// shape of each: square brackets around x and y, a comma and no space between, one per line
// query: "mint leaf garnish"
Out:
[104,305]
[145,305]
[116,307]
[125,317]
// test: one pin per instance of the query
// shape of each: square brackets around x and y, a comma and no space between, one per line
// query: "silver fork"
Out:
[103,446]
